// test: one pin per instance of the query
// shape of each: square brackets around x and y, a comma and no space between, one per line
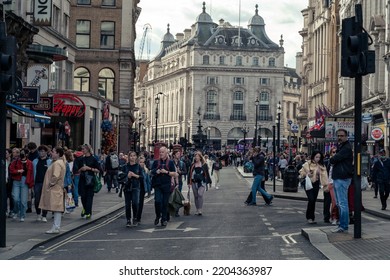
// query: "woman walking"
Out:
[316,171]
[198,178]
[52,197]
[132,189]
[90,167]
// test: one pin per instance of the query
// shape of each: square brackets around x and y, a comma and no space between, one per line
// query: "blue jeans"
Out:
[256,186]
[341,191]
[76,180]
[131,203]
[20,197]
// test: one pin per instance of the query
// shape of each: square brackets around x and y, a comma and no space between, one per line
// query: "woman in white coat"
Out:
[52,197]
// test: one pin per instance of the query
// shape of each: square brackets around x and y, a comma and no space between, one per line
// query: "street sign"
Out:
[289,122]
[294,128]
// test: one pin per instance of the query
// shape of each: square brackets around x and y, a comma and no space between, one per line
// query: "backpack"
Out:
[114,161]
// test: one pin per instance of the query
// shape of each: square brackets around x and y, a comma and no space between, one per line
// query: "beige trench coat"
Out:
[52,197]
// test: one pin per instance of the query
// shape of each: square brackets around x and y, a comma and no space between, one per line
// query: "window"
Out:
[238,106]
[264,112]
[81,79]
[206,59]
[106,83]
[107,36]
[238,81]
[264,96]
[238,60]
[66,25]
[264,81]
[83,34]
[271,62]
[56,22]
[68,74]
[108,2]
[212,80]
[55,75]
[83,2]
[222,60]
[255,61]
[211,102]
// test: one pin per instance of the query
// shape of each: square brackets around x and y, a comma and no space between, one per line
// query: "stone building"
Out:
[210,76]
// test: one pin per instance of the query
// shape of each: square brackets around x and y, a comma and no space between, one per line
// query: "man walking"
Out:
[381,177]
[112,166]
[342,173]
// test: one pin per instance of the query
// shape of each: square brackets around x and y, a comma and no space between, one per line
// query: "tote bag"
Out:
[308,184]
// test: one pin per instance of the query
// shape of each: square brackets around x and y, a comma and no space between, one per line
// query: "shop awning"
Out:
[21,111]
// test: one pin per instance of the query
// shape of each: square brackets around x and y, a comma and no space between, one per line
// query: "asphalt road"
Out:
[228,230]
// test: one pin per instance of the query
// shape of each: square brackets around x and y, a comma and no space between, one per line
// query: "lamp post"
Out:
[208,138]
[274,160]
[139,133]
[278,111]
[157,102]
[245,130]
[144,131]
[254,144]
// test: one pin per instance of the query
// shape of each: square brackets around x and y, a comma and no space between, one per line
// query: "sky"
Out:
[280,17]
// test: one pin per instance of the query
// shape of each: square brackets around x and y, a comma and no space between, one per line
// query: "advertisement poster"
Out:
[332,126]
[23,130]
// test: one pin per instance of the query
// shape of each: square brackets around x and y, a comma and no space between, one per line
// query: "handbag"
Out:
[89,179]
[97,184]
[308,183]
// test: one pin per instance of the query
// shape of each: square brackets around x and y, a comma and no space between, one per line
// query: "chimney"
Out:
[187,33]
[179,36]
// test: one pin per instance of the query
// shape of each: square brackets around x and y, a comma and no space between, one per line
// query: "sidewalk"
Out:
[374,237]
[22,237]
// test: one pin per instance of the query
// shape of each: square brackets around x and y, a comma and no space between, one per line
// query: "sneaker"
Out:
[88,216]
[39,218]
[53,231]
[311,222]
[135,222]
[338,230]
[82,213]
[44,220]
[375,196]
[217,188]
[270,200]
[252,204]
[156,221]
[335,222]
[14,216]
[164,223]
[128,224]
[21,220]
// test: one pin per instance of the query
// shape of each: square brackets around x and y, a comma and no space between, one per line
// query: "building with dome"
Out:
[207,79]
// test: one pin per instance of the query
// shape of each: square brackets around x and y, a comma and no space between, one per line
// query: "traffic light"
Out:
[356,59]
[300,142]
[6,79]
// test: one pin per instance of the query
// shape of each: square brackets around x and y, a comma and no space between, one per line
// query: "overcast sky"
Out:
[280,17]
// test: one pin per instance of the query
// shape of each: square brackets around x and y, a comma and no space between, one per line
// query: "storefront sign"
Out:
[376,133]
[45,105]
[67,105]
[367,118]
[42,12]
[30,95]
[37,77]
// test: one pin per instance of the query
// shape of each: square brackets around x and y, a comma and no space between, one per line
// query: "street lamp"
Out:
[245,130]
[139,133]
[257,116]
[208,140]
[278,111]
[157,102]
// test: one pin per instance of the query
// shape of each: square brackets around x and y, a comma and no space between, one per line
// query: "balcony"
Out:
[237,118]
[211,116]
[265,118]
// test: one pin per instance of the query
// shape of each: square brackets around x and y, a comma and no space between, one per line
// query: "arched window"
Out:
[81,79]
[106,83]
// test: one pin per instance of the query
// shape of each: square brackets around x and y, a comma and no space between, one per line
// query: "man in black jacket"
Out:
[342,173]
[258,174]
[381,177]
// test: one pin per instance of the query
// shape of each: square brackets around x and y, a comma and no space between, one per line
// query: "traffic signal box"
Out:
[7,61]
[356,59]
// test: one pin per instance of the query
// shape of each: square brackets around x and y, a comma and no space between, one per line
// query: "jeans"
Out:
[161,199]
[384,189]
[140,202]
[76,180]
[256,186]
[112,178]
[312,195]
[341,191]
[20,196]
[131,203]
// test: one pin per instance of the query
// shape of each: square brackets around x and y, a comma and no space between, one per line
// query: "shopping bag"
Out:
[308,184]
[70,205]
[98,184]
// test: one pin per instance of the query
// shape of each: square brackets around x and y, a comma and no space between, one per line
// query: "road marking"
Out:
[288,238]
[271,228]
[267,224]
[172,226]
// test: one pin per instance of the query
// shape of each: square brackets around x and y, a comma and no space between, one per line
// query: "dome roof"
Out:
[204,17]
[168,37]
[256,19]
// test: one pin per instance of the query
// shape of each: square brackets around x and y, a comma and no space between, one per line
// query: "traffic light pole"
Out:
[357,152]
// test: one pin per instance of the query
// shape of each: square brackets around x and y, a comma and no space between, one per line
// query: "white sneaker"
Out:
[21,219]
[217,188]
[39,218]
[53,231]
[44,220]
[14,216]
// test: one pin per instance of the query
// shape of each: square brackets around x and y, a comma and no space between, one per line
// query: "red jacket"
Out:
[16,176]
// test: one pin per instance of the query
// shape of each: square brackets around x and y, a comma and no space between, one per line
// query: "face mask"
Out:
[383,157]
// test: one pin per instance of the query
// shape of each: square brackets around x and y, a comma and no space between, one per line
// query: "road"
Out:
[227,230]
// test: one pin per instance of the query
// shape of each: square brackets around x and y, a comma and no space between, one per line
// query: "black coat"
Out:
[342,162]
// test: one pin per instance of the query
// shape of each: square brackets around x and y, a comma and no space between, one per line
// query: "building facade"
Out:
[207,79]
